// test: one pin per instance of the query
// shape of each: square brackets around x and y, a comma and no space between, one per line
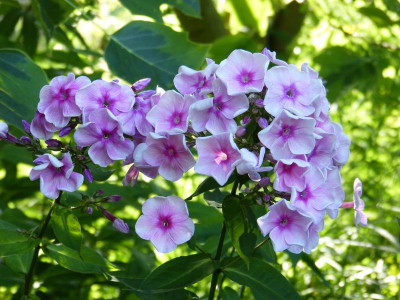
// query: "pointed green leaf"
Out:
[19,262]
[67,229]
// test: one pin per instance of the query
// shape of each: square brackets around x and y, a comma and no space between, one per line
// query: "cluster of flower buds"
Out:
[252,114]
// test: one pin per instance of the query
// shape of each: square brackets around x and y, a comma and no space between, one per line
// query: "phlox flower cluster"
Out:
[251,115]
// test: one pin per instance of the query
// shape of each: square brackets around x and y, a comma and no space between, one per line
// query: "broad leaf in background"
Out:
[151,8]
[264,280]
[145,49]
[20,83]
[87,261]
[19,262]
[67,229]
[179,272]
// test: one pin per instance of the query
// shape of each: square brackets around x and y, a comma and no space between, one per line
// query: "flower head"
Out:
[165,222]
[360,218]
[103,133]
[287,228]
[55,175]
[41,128]
[218,156]
[251,164]
[243,72]
[290,173]
[57,100]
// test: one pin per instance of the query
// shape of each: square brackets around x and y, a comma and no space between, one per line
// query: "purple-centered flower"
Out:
[170,154]
[170,115]
[134,120]
[289,135]
[196,83]
[115,97]
[315,198]
[290,174]
[290,89]
[57,100]
[103,133]
[321,156]
[342,146]
[55,175]
[141,164]
[165,222]
[41,128]
[251,164]
[313,236]
[218,156]
[243,72]
[287,228]
[3,130]
[216,114]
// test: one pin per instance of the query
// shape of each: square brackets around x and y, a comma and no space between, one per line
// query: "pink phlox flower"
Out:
[41,128]
[3,130]
[360,218]
[196,83]
[216,114]
[165,222]
[334,181]
[290,89]
[116,97]
[287,228]
[315,198]
[323,152]
[313,236]
[218,156]
[131,176]
[170,154]
[55,175]
[290,174]
[251,164]
[103,133]
[243,72]
[155,98]
[171,113]
[342,146]
[57,100]
[324,124]
[134,120]
[141,164]
[271,55]
[289,135]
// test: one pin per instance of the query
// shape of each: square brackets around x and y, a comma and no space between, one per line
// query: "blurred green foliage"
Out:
[354,44]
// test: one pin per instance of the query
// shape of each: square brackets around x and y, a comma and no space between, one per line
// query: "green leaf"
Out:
[99,173]
[247,242]
[310,262]
[215,197]
[179,272]
[207,185]
[379,17]
[151,8]
[67,229]
[87,261]
[270,252]
[19,262]
[264,280]
[236,224]
[12,241]
[9,278]
[228,293]
[20,83]
[149,50]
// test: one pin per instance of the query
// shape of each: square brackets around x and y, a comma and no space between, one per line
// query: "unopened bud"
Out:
[88,174]
[246,120]
[264,181]
[107,214]
[262,122]
[89,210]
[140,84]
[65,131]
[121,226]
[25,140]
[53,143]
[12,139]
[254,111]
[241,131]
[113,198]
[98,193]
[266,198]
[131,176]
[260,103]
[27,126]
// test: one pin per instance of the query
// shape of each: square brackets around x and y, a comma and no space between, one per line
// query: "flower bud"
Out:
[107,214]
[264,181]
[27,126]
[113,198]
[262,122]
[25,140]
[12,139]
[260,103]
[54,144]
[254,111]
[266,198]
[246,120]
[65,131]
[241,131]
[89,210]
[88,174]
[121,226]
[140,84]
[98,193]
[131,176]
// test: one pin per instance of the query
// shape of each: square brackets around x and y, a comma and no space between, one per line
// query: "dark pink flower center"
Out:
[106,103]
[291,92]
[283,222]
[165,222]
[170,151]
[106,135]
[218,104]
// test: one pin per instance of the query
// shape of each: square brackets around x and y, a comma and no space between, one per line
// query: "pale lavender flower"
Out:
[55,175]
[165,222]
[218,156]
[216,114]
[360,218]
[170,115]
[243,72]
[141,164]
[313,236]
[41,128]
[170,154]
[321,156]
[289,135]
[102,94]
[342,146]
[57,100]
[251,164]
[3,130]
[334,181]
[290,89]
[287,228]
[103,133]
[290,173]
[271,55]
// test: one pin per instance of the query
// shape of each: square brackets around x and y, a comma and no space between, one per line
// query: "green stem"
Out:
[29,275]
